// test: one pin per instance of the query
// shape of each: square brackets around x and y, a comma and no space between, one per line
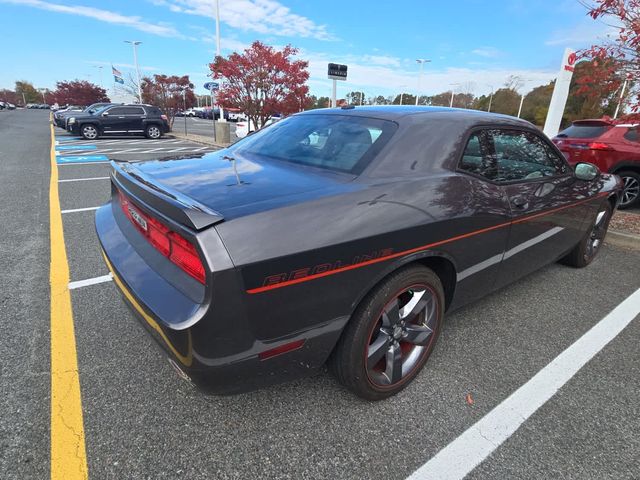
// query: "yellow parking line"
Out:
[68,455]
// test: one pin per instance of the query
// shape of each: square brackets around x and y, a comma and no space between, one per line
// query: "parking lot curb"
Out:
[626,240]
[199,139]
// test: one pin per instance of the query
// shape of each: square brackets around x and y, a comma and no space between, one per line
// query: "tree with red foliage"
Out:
[262,82]
[171,94]
[617,59]
[79,92]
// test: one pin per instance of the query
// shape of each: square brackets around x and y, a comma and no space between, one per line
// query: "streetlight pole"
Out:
[220,109]
[522,97]
[99,67]
[624,87]
[421,61]
[135,44]
[42,92]
[402,87]
[490,98]
[452,93]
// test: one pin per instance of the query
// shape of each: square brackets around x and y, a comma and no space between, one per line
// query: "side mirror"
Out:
[586,171]
[105,114]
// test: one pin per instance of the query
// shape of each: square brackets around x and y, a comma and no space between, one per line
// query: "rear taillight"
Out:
[598,146]
[169,243]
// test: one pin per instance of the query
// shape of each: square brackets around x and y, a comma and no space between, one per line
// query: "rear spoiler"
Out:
[174,205]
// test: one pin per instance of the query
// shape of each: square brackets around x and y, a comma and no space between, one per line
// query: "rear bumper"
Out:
[215,347]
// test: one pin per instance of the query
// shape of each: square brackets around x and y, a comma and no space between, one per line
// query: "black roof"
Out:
[395,112]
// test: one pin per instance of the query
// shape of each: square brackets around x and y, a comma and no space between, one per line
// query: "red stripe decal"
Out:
[418,249]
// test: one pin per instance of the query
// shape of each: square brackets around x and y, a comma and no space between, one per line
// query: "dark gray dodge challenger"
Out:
[341,237]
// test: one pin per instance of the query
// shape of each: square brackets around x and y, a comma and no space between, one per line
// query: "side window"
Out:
[523,156]
[475,160]
[116,111]
[632,134]
[132,111]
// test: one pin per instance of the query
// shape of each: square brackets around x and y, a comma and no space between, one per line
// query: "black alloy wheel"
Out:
[391,335]
[584,253]
[631,189]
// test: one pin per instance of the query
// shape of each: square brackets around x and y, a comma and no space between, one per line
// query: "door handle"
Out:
[520,202]
[120,117]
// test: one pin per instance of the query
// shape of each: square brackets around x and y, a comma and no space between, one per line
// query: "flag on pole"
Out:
[117,75]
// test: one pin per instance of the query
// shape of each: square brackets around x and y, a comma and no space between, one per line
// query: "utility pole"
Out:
[217,55]
[99,67]
[184,109]
[421,61]
[490,98]
[452,93]
[334,101]
[624,87]
[135,44]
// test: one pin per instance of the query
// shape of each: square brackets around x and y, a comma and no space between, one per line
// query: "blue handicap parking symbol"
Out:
[76,147]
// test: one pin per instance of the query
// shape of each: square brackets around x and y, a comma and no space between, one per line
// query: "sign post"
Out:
[213,87]
[560,94]
[336,72]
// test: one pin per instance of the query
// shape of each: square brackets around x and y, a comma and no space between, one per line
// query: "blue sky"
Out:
[474,43]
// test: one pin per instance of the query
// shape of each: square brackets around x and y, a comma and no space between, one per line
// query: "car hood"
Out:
[241,186]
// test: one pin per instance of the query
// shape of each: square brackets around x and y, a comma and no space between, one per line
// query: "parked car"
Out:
[10,106]
[613,147]
[2,105]
[120,119]
[59,117]
[90,110]
[342,235]
[242,127]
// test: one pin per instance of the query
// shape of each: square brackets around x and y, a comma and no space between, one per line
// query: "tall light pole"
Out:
[135,44]
[452,93]
[402,87]
[490,97]
[99,67]
[624,87]
[217,55]
[421,61]
[42,90]
[522,97]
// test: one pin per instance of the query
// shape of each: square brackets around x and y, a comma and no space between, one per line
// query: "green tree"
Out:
[407,99]
[440,100]
[355,98]
[505,100]
[25,90]
[536,104]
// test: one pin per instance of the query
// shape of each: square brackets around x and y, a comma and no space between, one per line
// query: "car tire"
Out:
[89,132]
[631,191]
[153,132]
[584,253]
[384,347]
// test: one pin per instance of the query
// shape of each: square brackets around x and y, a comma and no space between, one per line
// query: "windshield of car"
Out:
[335,142]
[583,131]
[98,110]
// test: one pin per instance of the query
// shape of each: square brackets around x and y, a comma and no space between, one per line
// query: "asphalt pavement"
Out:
[142,421]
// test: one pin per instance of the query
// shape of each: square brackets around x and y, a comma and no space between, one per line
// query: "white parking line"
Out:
[74,210]
[471,448]
[90,281]
[81,163]
[82,179]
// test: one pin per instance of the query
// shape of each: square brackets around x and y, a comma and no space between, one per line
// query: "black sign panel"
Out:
[337,71]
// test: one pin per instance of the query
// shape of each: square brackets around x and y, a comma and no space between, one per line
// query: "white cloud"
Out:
[585,33]
[488,52]
[262,16]
[381,60]
[143,68]
[386,80]
[107,16]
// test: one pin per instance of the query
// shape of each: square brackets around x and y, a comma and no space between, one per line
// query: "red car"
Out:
[613,147]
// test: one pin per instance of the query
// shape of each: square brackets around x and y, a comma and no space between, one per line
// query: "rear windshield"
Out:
[583,131]
[335,142]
